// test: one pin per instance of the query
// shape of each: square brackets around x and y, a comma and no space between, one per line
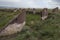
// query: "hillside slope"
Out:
[36,29]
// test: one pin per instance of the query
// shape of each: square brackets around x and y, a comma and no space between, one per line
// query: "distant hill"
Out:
[3,7]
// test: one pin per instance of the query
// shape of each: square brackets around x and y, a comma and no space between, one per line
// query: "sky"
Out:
[30,3]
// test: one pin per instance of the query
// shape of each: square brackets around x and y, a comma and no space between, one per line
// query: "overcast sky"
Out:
[30,3]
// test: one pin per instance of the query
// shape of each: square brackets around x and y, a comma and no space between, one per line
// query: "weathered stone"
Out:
[12,28]
[55,10]
[34,11]
[44,14]
[15,25]
[15,10]
[29,11]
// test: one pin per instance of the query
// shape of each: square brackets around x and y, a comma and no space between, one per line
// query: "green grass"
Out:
[5,17]
[36,29]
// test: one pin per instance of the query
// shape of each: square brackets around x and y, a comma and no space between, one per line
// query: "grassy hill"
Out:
[36,29]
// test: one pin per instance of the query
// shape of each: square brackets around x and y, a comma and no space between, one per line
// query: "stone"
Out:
[44,14]
[15,25]
[55,10]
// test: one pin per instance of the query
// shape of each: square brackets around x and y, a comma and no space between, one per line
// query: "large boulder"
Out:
[15,25]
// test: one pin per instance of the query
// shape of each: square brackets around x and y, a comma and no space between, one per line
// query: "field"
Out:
[35,28]
[5,17]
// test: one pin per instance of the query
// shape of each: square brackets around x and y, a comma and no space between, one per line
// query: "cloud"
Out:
[34,3]
[57,1]
[10,3]
[9,0]
[39,3]
[30,3]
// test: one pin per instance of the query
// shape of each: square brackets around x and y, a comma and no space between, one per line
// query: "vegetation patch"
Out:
[36,29]
[5,17]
